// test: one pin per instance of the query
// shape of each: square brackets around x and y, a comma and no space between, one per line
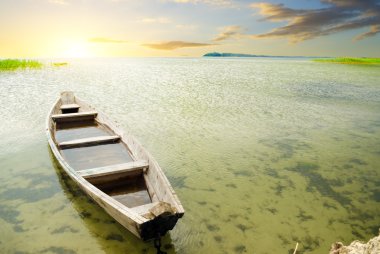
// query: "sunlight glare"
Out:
[76,50]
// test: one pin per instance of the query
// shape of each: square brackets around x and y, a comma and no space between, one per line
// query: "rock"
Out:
[357,247]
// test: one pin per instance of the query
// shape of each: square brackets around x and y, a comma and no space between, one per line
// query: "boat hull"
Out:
[156,214]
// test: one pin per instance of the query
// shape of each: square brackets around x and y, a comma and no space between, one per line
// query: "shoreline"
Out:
[350,60]
[371,247]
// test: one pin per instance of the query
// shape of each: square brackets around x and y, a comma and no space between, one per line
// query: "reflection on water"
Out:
[263,154]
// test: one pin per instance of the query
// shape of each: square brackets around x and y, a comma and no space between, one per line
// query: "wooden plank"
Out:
[130,167]
[67,97]
[74,116]
[69,106]
[157,183]
[162,209]
[88,141]
[144,209]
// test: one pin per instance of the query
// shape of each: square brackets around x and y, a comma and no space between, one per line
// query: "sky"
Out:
[181,28]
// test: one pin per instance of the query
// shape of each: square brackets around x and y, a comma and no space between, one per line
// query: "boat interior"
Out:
[99,155]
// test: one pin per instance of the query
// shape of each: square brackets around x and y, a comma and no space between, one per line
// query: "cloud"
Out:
[374,30]
[220,3]
[337,16]
[171,45]
[105,40]
[161,20]
[60,2]
[186,27]
[276,12]
[228,32]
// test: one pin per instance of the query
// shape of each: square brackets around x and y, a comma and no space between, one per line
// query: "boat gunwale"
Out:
[127,216]
[82,182]
[115,127]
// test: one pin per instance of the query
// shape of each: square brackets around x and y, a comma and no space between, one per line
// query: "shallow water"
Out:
[263,153]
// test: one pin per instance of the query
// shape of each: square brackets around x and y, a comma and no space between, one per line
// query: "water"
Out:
[263,153]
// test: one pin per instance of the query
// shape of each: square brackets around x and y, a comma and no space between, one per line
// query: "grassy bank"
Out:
[350,60]
[13,64]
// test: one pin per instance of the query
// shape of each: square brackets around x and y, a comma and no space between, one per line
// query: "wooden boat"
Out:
[112,168]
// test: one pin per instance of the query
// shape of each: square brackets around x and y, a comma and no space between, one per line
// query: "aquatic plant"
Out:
[349,60]
[58,64]
[12,64]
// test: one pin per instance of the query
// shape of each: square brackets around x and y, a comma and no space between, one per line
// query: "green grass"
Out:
[349,60]
[13,64]
[58,64]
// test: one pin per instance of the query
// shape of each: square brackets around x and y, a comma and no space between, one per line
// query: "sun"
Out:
[76,49]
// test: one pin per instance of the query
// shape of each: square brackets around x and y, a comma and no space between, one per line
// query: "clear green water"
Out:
[263,153]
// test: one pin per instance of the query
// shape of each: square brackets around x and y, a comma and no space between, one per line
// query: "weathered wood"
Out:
[69,106]
[67,97]
[139,220]
[74,116]
[144,209]
[88,141]
[130,167]
[161,209]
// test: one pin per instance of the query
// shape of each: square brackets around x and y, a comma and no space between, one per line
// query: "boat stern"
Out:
[158,226]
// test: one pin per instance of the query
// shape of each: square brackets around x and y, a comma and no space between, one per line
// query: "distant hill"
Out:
[217,54]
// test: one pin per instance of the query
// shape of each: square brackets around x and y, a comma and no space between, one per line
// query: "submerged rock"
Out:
[357,247]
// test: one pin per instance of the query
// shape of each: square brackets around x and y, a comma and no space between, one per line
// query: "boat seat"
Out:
[88,141]
[69,106]
[130,168]
[69,117]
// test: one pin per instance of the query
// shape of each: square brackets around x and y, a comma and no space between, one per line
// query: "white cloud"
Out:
[60,2]
[172,45]
[160,20]
[221,3]
[229,32]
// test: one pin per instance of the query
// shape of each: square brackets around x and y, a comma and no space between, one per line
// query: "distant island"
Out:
[217,54]
[339,60]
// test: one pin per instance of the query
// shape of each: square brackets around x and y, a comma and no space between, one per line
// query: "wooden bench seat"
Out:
[88,141]
[69,117]
[69,106]
[130,168]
